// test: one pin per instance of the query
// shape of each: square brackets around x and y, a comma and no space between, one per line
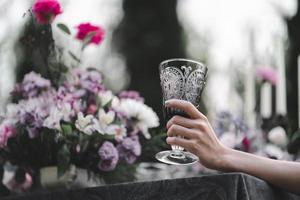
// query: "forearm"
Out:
[280,173]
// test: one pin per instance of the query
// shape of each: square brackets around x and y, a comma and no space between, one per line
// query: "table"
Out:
[231,186]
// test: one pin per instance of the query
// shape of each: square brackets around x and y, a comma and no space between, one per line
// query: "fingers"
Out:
[181,121]
[185,106]
[176,130]
[189,145]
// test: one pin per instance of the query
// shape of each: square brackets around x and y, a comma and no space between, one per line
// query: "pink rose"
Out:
[6,131]
[86,28]
[268,74]
[46,10]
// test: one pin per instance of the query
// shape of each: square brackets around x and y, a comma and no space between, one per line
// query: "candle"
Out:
[249,96]
[281,80]
[266,100]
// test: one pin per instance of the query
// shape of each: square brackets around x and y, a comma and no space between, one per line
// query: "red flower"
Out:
[46,10]
[86,28]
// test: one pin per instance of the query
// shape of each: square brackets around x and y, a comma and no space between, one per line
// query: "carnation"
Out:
[45,11]
[7,130]
[129,149]
[109,156]
[85,29]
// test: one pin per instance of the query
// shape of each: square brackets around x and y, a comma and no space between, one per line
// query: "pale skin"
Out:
[200,139]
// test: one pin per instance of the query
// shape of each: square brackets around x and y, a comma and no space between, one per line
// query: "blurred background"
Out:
[251,48]
[232,38]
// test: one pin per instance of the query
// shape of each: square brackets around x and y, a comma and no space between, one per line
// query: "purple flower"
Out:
[109,156]
[32,85]
[32,113]
[131,94]
[7,130]
[268,74]
[129,149]
[89,80]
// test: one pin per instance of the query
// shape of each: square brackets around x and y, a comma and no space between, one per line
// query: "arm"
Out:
[200,139]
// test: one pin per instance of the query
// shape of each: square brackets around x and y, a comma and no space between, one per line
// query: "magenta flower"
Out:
[267,74]
[45,11]
[109,157]
[86,28]
[7,131]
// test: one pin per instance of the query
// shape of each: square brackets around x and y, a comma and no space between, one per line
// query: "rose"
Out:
[87,29]
[45,11]
[268,74]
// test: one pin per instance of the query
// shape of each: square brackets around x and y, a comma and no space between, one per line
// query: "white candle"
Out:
[250,95]
[266,100]
[299,91]
[281,80]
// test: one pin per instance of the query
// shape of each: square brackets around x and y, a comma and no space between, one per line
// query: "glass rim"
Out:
[183,59]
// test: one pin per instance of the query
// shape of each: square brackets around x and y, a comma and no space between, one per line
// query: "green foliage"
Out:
[64,28]
[63,159]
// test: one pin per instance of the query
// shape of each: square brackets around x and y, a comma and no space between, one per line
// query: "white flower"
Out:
[228,139]
[119,131]
[145,117]
[54,118]
[278,136]
[105,97]
[66,110]
[87,124]
[105,118]
[273,151]
[12,112]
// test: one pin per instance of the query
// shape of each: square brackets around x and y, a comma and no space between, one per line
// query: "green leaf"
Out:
[63,160]
[88,39]
[73,56]
[67,129]
[64,28]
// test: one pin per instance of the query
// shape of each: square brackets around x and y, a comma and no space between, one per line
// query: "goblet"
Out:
[180,79]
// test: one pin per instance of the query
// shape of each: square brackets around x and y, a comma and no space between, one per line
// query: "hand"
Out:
[199,137]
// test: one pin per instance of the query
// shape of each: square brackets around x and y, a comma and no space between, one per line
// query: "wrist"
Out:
[227,160]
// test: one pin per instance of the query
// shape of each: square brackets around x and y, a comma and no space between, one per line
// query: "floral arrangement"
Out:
[235,133]
[78,122]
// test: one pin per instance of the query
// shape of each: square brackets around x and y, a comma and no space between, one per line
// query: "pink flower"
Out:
[92,109]
[86,28]
[268,74]
[6,131]
[45,11]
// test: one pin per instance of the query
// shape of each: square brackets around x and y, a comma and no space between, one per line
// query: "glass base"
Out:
[176,158]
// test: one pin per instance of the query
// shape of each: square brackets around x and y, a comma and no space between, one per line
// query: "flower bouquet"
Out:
[75,121]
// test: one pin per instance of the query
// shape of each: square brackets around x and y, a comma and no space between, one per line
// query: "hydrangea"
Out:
[32,113]
[129,149]
[46,10]
[109,156]
[90,80]
[32,85]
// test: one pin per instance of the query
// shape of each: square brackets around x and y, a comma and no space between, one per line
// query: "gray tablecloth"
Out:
[232,186]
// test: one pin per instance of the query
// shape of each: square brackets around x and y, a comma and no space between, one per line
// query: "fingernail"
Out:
[168,140]
[167,102]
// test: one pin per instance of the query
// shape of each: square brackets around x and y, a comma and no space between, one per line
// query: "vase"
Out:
[74,178]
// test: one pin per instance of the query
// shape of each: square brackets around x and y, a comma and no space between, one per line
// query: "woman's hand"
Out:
[199,137]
